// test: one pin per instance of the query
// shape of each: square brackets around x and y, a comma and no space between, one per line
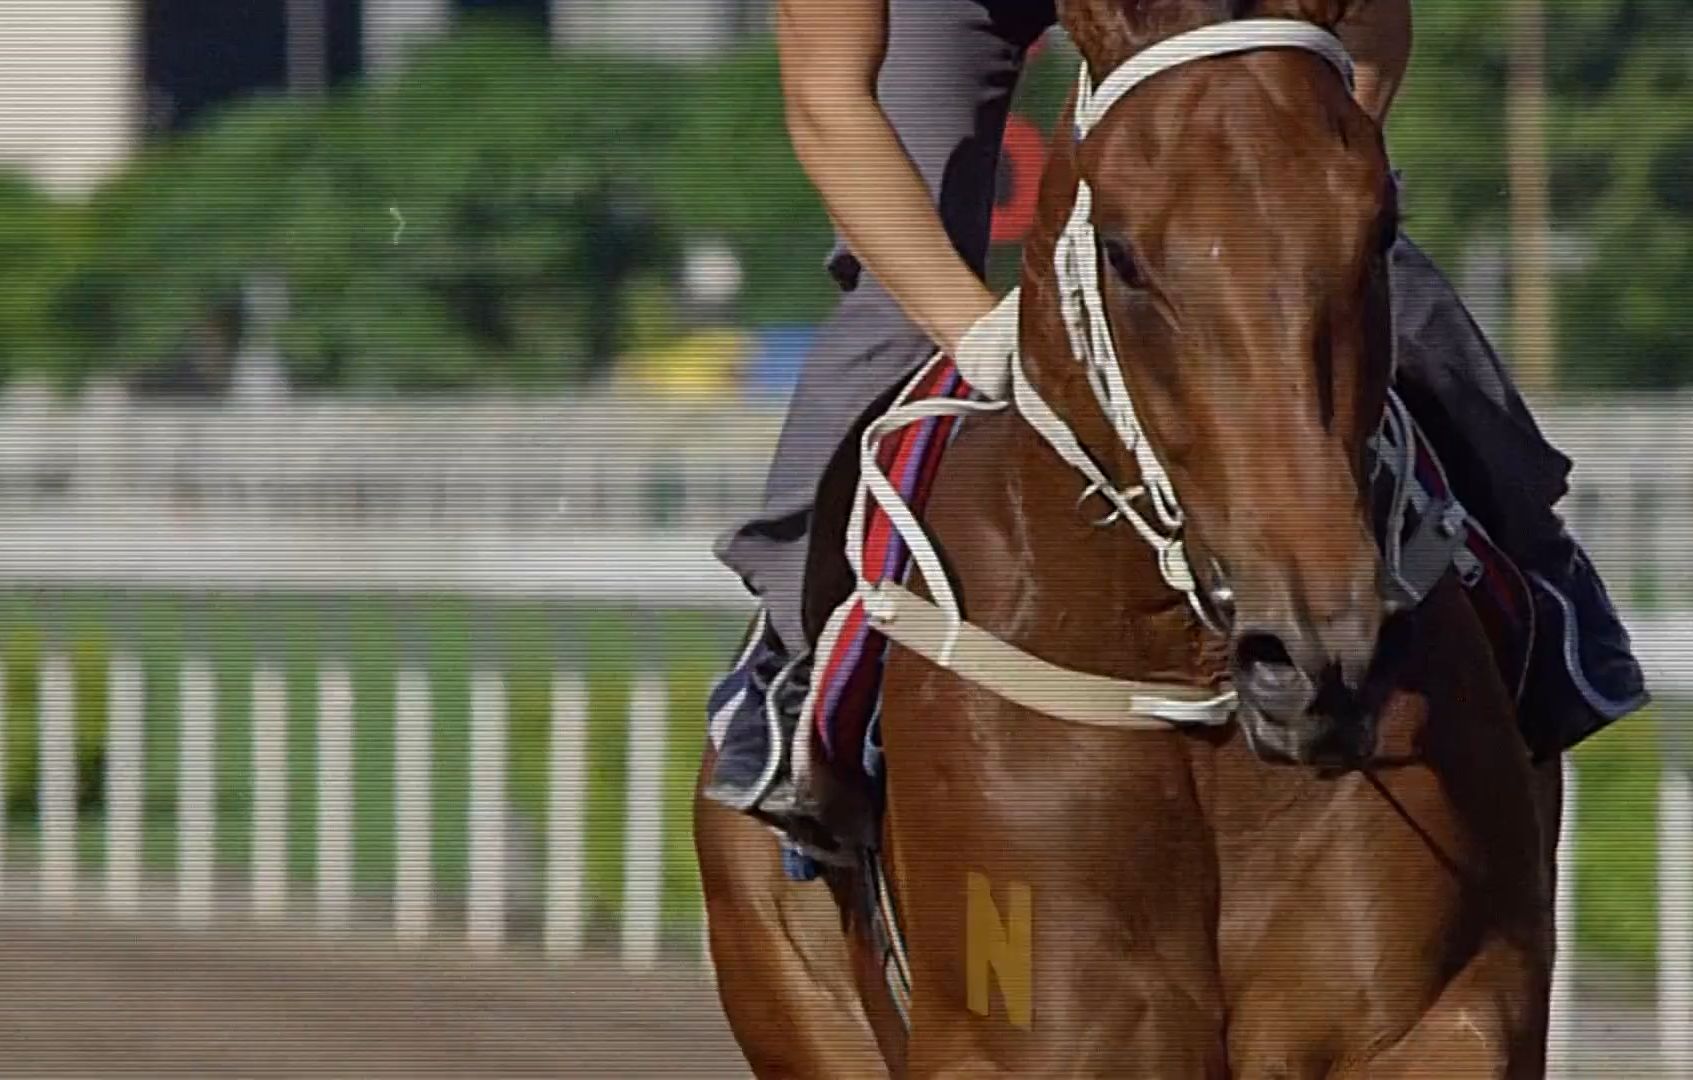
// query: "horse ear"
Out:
[1325,13]
[1101,30]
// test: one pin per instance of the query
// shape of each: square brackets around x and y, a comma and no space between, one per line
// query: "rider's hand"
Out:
[985,352]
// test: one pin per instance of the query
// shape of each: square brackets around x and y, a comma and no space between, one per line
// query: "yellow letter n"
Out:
[1002,947]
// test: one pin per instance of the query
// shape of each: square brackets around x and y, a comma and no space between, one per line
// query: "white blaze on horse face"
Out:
[1216,249]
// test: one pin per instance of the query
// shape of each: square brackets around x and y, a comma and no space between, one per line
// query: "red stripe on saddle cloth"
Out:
[852,673]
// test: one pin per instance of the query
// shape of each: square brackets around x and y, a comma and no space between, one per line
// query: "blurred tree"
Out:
[1621,75]
[41,242]
[1623,137]
[539,191]
[523,183]
[470,223]
[175,235]
[1447,129]
[730,173]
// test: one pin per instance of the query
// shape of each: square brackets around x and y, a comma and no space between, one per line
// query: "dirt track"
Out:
[88,998]
[102,999]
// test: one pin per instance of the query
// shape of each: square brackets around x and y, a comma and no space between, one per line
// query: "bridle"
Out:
[1083,306]
[937,629]
[1149,507]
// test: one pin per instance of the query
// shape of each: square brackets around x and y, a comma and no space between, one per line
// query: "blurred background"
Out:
[374,375]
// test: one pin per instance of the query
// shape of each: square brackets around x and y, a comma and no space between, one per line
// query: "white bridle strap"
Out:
[1220,39]
[1076,259]
[937,629]
[1026,680]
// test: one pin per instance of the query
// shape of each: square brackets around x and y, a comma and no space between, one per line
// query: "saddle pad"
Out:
[1496,587]
[849,681]
[845,707]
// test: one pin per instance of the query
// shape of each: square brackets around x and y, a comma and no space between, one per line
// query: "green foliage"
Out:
[521,181]
[40,244]
[730,172]
[546,198]
[1447,129]
[1621,132]
[179,230]
[1624,123]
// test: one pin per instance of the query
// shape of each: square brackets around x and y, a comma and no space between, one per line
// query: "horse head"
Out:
[1242,209]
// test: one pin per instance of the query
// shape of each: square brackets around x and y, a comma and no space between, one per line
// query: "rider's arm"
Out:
[1378,35]
[831,51]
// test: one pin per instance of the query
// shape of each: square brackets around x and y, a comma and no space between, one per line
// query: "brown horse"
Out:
[1354,880]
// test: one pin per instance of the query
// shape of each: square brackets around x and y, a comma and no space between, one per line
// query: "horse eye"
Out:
[1122,262]
[1389,234]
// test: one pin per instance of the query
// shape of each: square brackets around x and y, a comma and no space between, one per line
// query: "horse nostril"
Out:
[1264,662]
[1261,650]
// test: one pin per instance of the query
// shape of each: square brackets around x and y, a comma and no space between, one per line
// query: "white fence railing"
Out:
[552,467]
[199,889]
[409,905]
[558,498]
[489,464]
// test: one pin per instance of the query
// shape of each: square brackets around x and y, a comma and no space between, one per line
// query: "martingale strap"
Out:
[938,631]
[1033,683]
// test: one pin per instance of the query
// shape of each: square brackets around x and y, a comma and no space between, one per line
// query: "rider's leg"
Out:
[946,87]
[1506,473]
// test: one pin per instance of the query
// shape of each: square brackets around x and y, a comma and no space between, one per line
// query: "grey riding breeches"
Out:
[945,85]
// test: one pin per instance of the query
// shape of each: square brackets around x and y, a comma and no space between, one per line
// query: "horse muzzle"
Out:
[1310,698]
[1283,724]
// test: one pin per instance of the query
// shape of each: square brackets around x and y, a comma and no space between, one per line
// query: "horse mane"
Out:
[1107,32]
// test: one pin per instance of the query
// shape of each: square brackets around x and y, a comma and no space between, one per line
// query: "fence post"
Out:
[1560,1041]
[1675,897]
[643,847]
[58,784]
[485,912]
[196,772]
